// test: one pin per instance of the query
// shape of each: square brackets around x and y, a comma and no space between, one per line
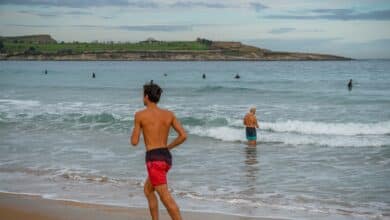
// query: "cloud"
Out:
[281,30]
[281,44]
[107,17]
[191,4]
[31,25]
[54,13]
[78,13]
[258,6]
[379,48]
[81,3]
[142,28]
[130,28]
[143,4]
[159,28]
[337,14]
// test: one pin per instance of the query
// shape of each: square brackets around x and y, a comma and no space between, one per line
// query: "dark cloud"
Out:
[339,11]
[190,4]
[258,6]
[281,30]
[143,4]
[337,14]
[81,3]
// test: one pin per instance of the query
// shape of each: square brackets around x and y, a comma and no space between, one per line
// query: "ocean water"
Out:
[323,152]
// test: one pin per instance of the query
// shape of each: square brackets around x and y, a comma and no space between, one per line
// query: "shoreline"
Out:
[19,206]
[179,61]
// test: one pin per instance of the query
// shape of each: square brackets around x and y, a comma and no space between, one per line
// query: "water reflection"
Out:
[251,169]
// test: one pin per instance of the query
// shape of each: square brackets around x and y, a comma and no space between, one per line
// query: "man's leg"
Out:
[152,199]
[168,201]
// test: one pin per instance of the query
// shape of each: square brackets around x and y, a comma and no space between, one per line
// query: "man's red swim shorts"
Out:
[158,162]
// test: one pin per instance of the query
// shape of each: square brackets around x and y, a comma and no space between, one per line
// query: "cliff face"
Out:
[176,56]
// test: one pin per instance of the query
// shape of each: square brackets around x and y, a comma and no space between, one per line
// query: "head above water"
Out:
[252,110]
[152,93]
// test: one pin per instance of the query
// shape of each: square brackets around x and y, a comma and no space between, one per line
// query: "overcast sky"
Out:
[354,28]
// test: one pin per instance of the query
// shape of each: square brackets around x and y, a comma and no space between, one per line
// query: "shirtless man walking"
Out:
[251,124]
[155,123]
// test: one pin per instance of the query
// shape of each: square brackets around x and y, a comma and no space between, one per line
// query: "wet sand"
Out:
[22,207]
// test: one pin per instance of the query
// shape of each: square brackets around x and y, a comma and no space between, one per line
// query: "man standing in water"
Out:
[155,124]
[350,85]
[251,124]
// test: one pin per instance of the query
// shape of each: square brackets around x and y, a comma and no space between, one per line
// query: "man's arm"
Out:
[257,124]
[136,130]
[182,136]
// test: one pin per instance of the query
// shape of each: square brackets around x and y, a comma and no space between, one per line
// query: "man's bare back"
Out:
[250,120]
[155,123]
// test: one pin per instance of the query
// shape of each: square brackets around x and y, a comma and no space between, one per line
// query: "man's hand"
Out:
[136,130]
[180,131]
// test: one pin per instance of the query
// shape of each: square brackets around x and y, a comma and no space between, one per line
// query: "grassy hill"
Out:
[35,44]
[44,47]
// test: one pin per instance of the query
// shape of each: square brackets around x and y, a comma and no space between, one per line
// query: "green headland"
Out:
[44,47]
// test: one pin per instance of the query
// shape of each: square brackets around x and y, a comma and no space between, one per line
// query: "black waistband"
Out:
[251,128]
[159,154]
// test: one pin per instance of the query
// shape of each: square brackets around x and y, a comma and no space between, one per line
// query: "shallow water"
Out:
[324,151]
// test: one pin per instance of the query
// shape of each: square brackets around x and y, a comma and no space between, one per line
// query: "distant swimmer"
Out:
[350,85]
[204,76]
[237,76]
[250,122]
[165,74]
[46,72]
[93,75]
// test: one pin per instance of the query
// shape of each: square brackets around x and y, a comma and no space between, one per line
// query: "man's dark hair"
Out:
[153,91]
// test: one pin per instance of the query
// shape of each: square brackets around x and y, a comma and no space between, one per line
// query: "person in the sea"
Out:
[155,124]
[46,72]
[204,76]
[350,85]
[237,76]
[93,75]
[250,122]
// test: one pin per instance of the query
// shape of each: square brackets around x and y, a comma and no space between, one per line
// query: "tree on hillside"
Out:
[2,47]
[204,41]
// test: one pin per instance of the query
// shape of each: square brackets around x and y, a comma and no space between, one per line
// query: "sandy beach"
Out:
[19,206]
